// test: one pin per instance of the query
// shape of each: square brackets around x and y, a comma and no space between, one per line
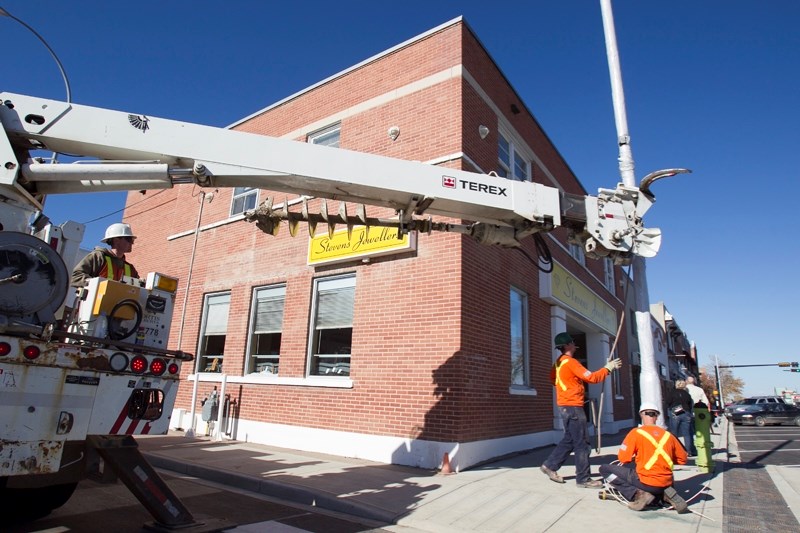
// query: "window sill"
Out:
[517,390]
[338,382]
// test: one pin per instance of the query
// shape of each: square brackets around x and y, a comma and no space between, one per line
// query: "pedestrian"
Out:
[702,426]
[646,458]
[679,409]
[568,375]
[109,262]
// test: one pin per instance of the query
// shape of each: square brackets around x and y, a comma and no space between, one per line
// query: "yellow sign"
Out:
[378,241]
[571,292]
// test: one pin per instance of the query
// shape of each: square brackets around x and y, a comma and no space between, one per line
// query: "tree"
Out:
[731,385]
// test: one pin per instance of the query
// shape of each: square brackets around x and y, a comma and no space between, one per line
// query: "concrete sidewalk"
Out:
[510,494]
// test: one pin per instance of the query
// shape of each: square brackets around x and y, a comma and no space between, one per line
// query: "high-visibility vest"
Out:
[559,383]
[108,270]
[659,448]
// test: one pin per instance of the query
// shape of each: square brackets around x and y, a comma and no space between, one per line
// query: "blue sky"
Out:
[711,86]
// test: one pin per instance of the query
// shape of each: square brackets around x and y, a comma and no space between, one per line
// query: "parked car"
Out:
[764,413]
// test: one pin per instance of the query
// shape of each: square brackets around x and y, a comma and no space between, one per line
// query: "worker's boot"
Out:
[641,500]
[675,500]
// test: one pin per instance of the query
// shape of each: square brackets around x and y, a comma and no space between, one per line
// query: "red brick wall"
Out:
[431,335]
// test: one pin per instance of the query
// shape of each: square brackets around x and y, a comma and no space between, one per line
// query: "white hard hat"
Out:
[648,406]
[118,230]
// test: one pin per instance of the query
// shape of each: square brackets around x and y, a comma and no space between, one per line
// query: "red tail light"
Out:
[31,352]
[5,349]
[157,367]
[138,364]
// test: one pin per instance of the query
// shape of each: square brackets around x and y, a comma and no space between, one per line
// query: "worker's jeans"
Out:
[624,478]
[575,440]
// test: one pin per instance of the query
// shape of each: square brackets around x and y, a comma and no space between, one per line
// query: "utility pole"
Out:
[649,381]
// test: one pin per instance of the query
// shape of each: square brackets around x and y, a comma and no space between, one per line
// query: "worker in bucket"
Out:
[568,375]
[646,457]
[109,262]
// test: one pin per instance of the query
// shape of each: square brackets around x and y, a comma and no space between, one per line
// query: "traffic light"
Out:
[793,370]
[785,363]
[794,364]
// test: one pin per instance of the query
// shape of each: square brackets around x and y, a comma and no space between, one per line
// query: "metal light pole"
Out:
[649,381]
[719,382]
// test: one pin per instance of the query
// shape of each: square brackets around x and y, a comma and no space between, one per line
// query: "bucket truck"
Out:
[72,393]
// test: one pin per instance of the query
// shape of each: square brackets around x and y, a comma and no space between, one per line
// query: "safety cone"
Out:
[446,468]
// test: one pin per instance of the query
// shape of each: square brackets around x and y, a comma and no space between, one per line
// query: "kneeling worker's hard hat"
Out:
[648,406]
[118,230]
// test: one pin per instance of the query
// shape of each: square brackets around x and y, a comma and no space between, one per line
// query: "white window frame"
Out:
[335,364]
[243,199]
[265,363]
[576,251]
[515,165]
[519,337]
[214,306]
[608,268]
[328,136]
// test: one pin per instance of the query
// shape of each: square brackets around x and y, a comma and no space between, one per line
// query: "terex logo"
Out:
[450,183]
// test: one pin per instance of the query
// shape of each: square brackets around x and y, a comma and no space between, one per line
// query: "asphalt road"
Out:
[111,507]
[769,445]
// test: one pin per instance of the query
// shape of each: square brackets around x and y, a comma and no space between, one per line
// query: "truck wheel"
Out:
[760,421]
[30,504]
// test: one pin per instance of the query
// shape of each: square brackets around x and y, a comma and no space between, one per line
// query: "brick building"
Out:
[432,345]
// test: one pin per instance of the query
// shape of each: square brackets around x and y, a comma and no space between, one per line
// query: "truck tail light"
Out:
[138,364]
[5,349]
[157,367]
[118,361]
[31,352]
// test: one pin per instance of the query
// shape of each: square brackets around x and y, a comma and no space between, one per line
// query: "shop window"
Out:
[520,364]
[214,328]
[244,199]
[332,326]
[266,325]
[326,137]
[511,164]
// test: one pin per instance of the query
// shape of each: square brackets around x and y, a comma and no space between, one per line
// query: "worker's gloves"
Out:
[614,363]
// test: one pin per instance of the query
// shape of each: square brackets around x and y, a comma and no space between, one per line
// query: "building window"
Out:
[266,325]
[214,328]
[608,266]
[576,251]
[519,339]
[509,161]
[332,326]
[326,137]
[244,199]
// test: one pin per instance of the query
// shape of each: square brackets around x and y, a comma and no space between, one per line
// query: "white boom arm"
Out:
[155,153]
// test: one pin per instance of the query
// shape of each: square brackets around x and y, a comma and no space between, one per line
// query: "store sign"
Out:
[377,241]
[563,288]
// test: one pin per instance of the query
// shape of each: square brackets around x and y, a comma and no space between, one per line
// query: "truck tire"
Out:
[30,504]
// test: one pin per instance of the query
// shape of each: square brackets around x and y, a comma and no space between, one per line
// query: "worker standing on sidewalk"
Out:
[568,375]
[702,426]
[655,451]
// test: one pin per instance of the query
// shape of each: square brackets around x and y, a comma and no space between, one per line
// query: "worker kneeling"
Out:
[654,450]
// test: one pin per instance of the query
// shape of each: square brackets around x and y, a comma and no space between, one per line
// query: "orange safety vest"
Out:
[655,451]
[568,377]
[108,270]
